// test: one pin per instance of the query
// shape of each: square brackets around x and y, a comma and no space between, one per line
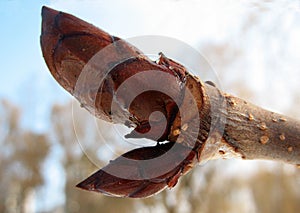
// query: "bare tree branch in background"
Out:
[222,125]
[22,156]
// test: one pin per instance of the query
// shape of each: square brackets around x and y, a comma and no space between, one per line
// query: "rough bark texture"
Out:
[202,122]
[260,134]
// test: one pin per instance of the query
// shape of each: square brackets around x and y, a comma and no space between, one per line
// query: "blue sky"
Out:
[20,55]
[25,80]
[268,61]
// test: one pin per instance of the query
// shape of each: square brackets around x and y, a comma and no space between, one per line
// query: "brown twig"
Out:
[205,122]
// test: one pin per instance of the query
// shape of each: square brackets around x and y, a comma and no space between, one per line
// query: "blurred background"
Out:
[254,49]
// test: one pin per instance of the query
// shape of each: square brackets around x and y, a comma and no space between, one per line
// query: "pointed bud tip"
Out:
[86,184]
[47,10]
[81,186]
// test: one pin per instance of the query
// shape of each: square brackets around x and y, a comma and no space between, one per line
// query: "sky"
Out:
[269,62]
[27,81]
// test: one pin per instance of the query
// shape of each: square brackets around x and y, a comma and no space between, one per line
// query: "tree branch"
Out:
[256,133]
[115,82]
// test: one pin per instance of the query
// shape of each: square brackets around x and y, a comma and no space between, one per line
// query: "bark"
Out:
[199,120]
[256,133]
